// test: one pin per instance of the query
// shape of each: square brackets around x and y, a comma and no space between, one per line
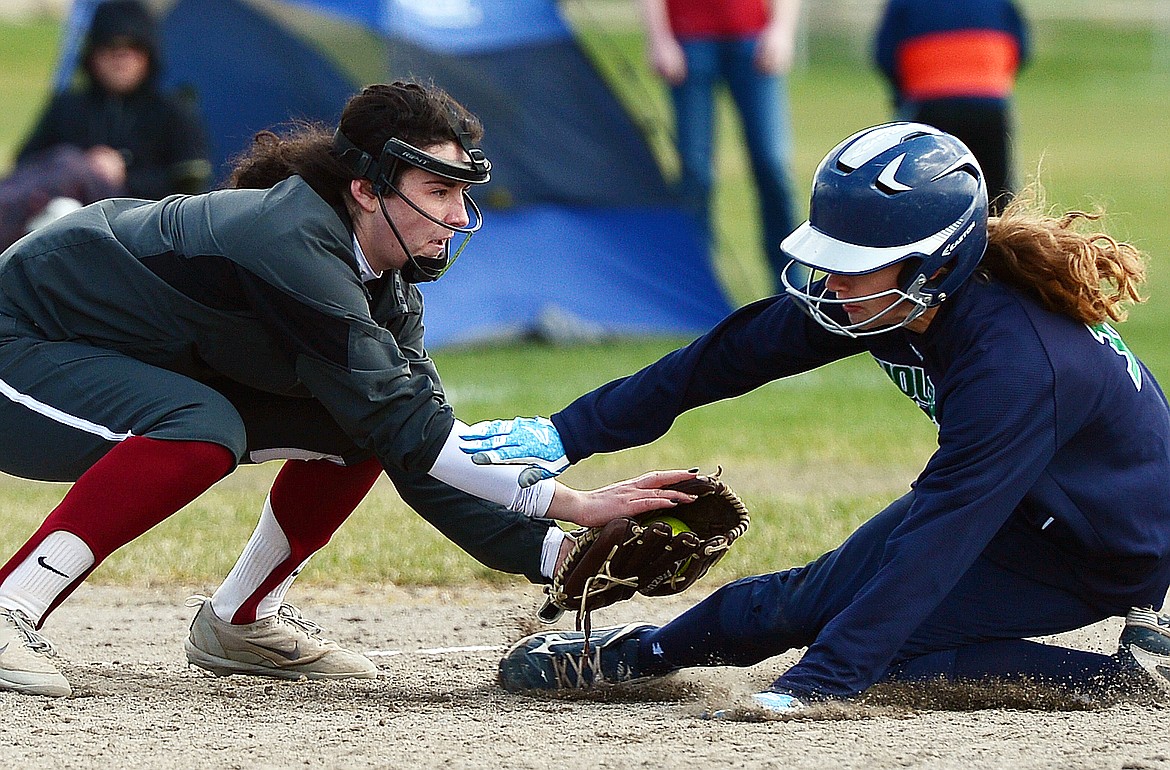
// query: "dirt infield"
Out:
[137,705]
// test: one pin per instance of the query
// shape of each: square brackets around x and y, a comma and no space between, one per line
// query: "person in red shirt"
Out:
[695,45]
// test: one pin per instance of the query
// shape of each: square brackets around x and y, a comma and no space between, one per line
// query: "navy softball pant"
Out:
[977,632]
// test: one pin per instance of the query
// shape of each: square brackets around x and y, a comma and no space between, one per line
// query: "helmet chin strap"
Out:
[382,170]
[420,269]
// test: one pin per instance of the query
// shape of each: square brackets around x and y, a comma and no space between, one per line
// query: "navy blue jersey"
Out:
[1053,456]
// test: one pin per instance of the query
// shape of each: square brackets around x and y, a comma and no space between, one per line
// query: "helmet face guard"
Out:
[382,172]
[815,299]
[899,192]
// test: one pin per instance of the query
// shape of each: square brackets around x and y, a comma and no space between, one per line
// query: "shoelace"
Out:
[32,640]
[570,670]
[285,612]
[290,614]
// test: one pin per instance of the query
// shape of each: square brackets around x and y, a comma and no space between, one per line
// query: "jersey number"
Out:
[1106,334]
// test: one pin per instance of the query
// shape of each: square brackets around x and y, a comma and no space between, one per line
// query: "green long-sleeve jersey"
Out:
[258,286]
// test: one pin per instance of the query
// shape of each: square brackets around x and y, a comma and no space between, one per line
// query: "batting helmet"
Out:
[898,192]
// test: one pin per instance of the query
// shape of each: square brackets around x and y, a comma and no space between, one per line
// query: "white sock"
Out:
[267,549]
[551,550]
[60,559]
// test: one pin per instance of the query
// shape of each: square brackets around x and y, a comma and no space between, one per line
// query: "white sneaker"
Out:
[284,646]
[24,658]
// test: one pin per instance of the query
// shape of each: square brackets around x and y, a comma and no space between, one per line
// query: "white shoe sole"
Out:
[1157,666]
[227,667]
[35,684]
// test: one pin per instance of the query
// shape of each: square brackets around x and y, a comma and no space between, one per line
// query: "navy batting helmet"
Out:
[898,192]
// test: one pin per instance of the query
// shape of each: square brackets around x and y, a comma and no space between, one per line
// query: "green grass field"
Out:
[814,456]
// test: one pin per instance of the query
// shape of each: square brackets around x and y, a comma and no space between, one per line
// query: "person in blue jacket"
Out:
[1046,507]
[954,65]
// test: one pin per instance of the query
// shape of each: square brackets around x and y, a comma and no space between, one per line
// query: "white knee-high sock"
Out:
[267,549]
[60,559]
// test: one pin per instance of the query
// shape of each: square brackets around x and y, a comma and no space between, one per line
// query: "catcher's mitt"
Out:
[648,555]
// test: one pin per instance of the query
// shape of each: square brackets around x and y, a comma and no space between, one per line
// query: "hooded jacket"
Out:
[160,136]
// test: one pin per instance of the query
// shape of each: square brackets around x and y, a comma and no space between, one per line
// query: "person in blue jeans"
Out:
[747,45]
[1045,508]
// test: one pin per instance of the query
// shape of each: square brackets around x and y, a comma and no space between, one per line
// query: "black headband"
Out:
[379,171]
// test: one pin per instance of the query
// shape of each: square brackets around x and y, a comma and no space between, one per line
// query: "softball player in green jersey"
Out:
[146,348]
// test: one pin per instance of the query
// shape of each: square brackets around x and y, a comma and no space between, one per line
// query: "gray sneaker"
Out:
[284,646]
[25,664]
[1146,637]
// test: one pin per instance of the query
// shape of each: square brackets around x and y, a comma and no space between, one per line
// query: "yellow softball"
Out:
[676,525]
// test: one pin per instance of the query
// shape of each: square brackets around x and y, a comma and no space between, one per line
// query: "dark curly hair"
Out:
[419,114]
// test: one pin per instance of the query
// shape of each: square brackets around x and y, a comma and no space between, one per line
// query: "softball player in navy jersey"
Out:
[148,347]
[1045,508]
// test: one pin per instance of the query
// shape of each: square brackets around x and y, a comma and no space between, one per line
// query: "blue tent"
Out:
[583,235]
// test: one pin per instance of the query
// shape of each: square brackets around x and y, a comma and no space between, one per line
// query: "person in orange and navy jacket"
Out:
[953,65]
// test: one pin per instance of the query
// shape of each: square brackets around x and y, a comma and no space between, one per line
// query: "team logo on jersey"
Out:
[1107,335]
[914,382]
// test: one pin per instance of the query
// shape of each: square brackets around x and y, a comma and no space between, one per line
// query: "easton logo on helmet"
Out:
[955,243]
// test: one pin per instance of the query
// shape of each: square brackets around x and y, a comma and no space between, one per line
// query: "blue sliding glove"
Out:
[531,441]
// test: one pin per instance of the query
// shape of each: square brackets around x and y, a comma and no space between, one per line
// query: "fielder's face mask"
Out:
[383,170]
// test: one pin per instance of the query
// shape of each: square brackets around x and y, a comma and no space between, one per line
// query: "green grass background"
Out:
[813,456]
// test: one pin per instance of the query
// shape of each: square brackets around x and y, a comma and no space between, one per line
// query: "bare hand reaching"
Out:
[632,497]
